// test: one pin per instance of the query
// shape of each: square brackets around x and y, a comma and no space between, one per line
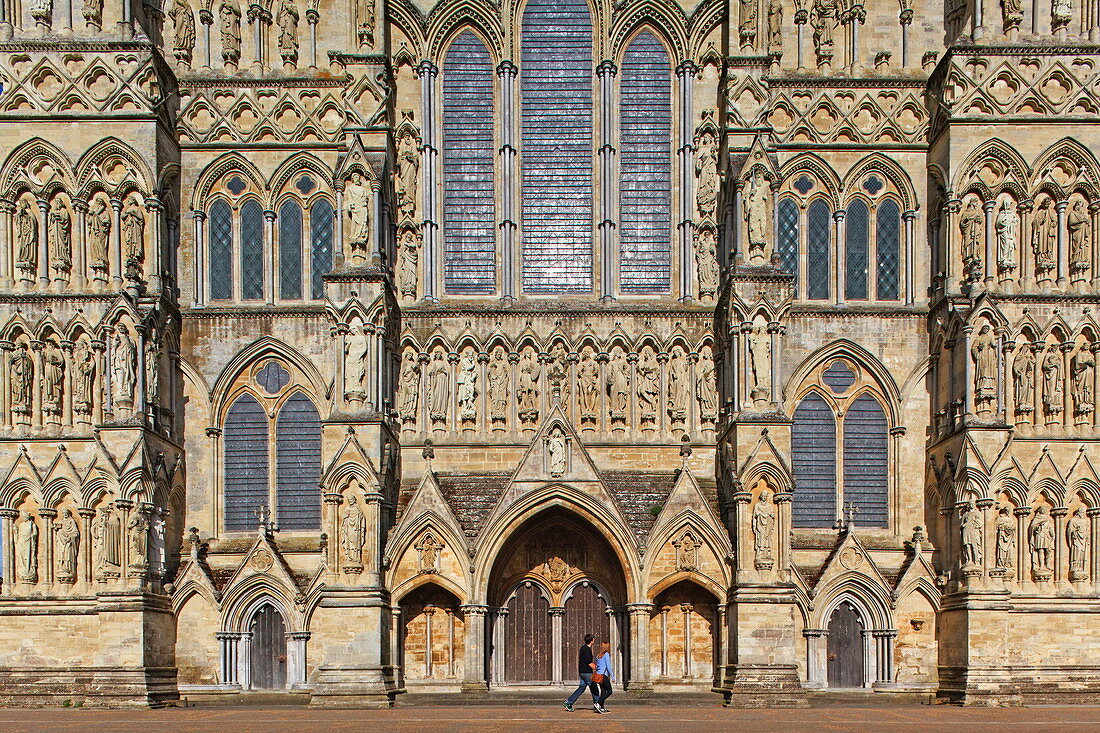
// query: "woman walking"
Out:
[602,678]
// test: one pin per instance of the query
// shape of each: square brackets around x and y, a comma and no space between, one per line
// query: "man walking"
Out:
[586,665]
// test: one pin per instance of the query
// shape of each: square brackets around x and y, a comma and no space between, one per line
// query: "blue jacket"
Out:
[603,666]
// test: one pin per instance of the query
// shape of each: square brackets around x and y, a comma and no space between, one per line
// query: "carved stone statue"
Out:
[1012,14]
[287,19]
[1041,541]
[230,15]
[26,239]
[1052,383]
[757,217]
[42,13]
[500,382]
[588,388]
[83,378]
[775,24]
[1006,225]
[439,388]
[357,361]
[353,530]
[760,359]
[138,532]
[1079,229]
[429,548]
[53,378]
[618,388]
[183,23]
[648,388]
[21,374]
[527,389]
[971,227]
[99,541]
[746,24]
[152,372]
[556,458]
[1023,381]
[408,259]
[972,533]
[93,13]
[357,203]
[706,389]
[1081,386]
[763,530]
[365,26]
[984,353]
[823,19]
[1061,13]
[679,387]
[1077,540]
[26,548]
[466,384]
[68,546]
[408,168]
[61,238]
[706,171]
[706,261]
[133,232]
[99,231]
[123,352]
[557,372]
[1006,539]
[1044,236]
[408,387]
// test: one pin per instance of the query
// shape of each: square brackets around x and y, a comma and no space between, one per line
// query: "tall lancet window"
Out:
[469,216]
[556,94]
[645,173]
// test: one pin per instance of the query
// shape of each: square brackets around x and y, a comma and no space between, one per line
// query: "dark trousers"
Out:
[603,690]
[586,682]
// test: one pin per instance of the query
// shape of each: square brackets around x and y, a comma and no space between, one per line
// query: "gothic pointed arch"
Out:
[217,170]
[258,350]
[449,20]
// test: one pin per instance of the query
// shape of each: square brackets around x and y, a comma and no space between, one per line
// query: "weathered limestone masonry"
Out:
[354,347]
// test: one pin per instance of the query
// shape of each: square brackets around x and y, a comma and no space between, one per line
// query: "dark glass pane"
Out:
[645,193]
[865,461]
[855,251]
[803,184]
[320,237]
[469,211]
[817,250]
[788,236]
[813,462]
[838,377]
[556,91]
[888,241]
[246,487]
[221,251]
[305,184]
[873,185]
[298,464]
[252,251]
[236,184]
[272,377]
[290,251]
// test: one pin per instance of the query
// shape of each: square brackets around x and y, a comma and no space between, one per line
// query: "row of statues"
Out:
[1041,536]
[625,384]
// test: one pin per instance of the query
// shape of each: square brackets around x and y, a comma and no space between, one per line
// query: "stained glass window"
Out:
[469,212]
[252,251]
[865,461]
[817,250]
[838,377]
[298,464]
[221,251]
[803,184]
[290,250]
[320,237]
[888,245]
[788,236]
[813,462]
[645,181]
[855,251]
[272,377]
[246,463]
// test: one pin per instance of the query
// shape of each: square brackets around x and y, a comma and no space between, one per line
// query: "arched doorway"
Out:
[554,581]
[432,639]
[845,647]
[682,631]
[268,649]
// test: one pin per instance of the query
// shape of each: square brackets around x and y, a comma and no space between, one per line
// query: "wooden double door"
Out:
[540,644]
[268,650]
[845,647]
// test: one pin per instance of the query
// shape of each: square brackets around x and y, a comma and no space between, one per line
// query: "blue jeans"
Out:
[586,683]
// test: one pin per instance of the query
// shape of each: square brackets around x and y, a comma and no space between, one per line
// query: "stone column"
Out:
[332,502]
[1059,515]
[1094,213]
[685,75]
[271,267]
[80,244]
[817,665]
[1094,546]
[801,15]
[950,245]
[243,657]
[556,614]
[775,329]
[839,261]
[608,187]
[1063,250]
[474,648]
[7,259]
[742,537]
[155,257]
[85,560]
[116,243]
[884,655]
[312,17]
[44,244]
[968,373]
[783,501]
[507,71]
[296,658]
[7,535]
[990,265]
[228,644]
[45,546]
[910,265]
[1023,559]
[200,258]
[429,153]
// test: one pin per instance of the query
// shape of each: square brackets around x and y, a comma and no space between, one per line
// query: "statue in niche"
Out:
[1005,528]
[1081,385]
[1012,14]
[687,552]
[775,24]
[26,548]
[21,374]
[984,353]
[618,387]
[556,457]
[823,19]
[152,372]
[183,24]
[133,233]
[93,13]
[365,26]
[1007,228]
[138,532]
[1077,540]
[41,12]
[763,529]
[84,378]
[439,387]
[648,388]
[68,546]
[408,168]
[26,238]
[757,195]
[466,383]
[706,389]
[408,259]
[408,386]
[106,533]
[53,378]
[588,388]
[1041,541]
[230,15]
[1079,230]
[429,549]
[1061,13]
[123,354]
[61,235]
[1052,382]
[357,355]
[706,170]
[357,203]
[99,231]
[760,353]
[287,19]
[557,372]
[971,226]
[353,532]
[706,261]
[499,387]
[747,22]
[1023,380]
[1044,236]
[972,530]
[679,387]
[527,390]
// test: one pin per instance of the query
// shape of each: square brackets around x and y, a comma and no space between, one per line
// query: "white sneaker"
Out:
[596,708]
[605,711]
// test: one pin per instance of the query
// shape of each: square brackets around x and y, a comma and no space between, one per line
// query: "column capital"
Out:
[507,68]
[426,68]
[687,68]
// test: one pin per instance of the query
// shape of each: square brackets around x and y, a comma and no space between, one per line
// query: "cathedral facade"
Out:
[355,347]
